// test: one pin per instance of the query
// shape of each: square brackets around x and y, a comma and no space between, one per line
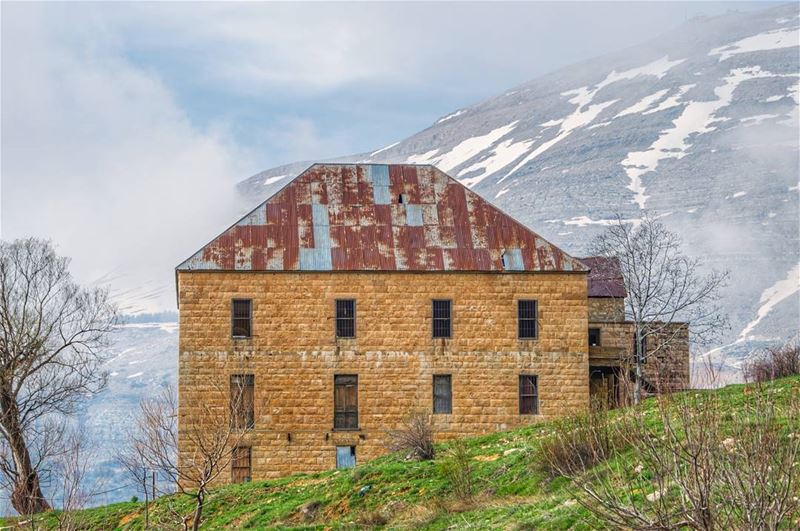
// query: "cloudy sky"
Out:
[126,126]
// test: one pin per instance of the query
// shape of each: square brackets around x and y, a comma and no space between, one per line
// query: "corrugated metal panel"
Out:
[605,277]
[351,217]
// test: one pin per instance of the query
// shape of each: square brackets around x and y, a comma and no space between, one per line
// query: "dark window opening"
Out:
[528,395]
[526,318]
[240,465]
[242,318]
[243,401]
[400,199]
[345,456]
[442,393]
[346,318]
[442,322]
[345,402]
[504,260]
[594,337]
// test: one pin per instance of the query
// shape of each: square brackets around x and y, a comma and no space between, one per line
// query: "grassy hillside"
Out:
[510,492]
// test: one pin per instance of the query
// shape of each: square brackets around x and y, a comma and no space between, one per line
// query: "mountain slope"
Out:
[698,127]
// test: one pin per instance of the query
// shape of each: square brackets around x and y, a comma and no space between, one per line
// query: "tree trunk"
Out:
[26,497]
[637,384]
[198,510]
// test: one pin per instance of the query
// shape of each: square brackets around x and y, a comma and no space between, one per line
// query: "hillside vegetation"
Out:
[503,471]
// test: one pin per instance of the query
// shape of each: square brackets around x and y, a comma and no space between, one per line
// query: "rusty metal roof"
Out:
[605,276]
[356,217]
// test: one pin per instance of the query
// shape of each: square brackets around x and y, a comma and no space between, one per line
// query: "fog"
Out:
[125,127]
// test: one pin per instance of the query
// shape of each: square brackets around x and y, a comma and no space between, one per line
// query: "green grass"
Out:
[510,492]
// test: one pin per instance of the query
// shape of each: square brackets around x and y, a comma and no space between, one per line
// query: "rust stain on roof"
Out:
[376,217]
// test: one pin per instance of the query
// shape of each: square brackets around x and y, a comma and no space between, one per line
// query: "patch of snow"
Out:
[772,99]
[501,192]
[772,214]
[552,123]
[586,112]
[451,116]
[467,149]
[643,104]
[769,40]
[739,194]
[672,101]
[696,119]
[276,178]
[584,221]
[692,210]
[503,154]
[424,158]
[793,116]
[135,375]
[601,124]
[381,150]
[794,188]
[564,233]
[771,296]
[115,373]
[757,119]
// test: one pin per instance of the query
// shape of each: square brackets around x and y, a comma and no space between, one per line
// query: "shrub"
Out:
[414,437]
[457,469]
[773,362]
[578,443]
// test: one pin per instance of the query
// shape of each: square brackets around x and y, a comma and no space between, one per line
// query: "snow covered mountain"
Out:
[698,126]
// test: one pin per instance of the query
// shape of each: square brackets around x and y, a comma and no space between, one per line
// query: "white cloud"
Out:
[98,156]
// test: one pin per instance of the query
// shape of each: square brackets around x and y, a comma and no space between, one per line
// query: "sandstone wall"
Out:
[606,309]
[294,355]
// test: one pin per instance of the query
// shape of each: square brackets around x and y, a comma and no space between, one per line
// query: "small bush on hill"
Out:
[415,437]
[456,467]
[578,443]
[773,363]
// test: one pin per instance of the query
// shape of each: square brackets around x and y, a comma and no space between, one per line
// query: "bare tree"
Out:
[664,287]
[208,441]
[702,465]
[415,437]
[72,491]
[53,335]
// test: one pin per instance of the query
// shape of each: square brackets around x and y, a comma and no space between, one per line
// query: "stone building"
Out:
[361,293]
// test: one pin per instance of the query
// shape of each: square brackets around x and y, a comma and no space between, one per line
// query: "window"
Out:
[241,318]
[401,199]
[528,395]
[345,318]
[442,393]
[242,401]
[526,318]
[345,402]
[594,337]
[240,465]
[345,456]
[442,318]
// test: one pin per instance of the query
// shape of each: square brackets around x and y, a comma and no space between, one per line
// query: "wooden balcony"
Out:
[607,356]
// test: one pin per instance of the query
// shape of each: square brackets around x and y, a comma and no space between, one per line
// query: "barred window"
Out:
[442,318]
[528,395]
[526,319]
[240,465]
[241,318]
[346,318]
[345,402]
[442,393]
[243,401]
